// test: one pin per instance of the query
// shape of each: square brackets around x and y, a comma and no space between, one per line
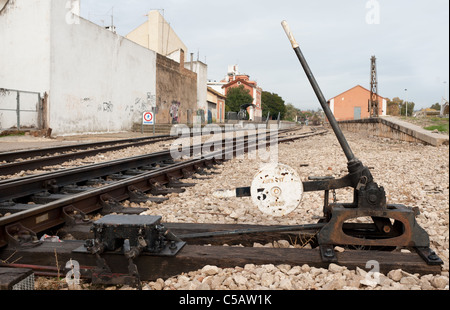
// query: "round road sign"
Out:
[148,118]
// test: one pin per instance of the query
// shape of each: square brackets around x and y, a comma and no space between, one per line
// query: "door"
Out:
[357,113]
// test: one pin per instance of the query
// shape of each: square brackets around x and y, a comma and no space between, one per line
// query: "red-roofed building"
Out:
[353,104]
[235,79]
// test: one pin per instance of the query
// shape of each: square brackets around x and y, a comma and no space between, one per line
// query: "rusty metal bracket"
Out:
[139,196]
[20,236]
[327,253]
[175,183]
[74,216]
[158,189]
[405,233]
[102,274]
[130,236]
[111,205]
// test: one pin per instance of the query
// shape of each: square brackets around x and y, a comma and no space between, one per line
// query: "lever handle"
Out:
[289,34]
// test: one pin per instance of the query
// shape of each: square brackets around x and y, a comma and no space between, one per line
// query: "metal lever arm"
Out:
[337,131]
[356,169]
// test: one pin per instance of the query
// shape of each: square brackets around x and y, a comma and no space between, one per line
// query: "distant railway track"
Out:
[17,161]
[35,159]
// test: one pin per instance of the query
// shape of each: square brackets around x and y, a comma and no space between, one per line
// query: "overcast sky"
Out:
[410,39]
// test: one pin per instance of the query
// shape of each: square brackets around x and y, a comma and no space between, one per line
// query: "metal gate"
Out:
[20,109]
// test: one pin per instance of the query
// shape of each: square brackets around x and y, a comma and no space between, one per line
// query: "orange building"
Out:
[235,79]
[353,104]
[216,104]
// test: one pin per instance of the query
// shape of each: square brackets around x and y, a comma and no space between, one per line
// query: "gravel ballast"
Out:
[412,174]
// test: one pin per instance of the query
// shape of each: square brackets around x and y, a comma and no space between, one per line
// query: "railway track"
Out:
[62,199]
[43,201]
[42,188]
[20,231]
[25,160]
[14,162]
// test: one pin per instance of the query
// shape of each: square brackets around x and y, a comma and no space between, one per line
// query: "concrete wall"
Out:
[97,81]
[100,81]
[201,70]
[24,27]
[393,129]
[25,45]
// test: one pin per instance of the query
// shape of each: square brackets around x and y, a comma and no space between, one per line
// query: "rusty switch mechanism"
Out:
[130,236]
[393,225]
[384,226]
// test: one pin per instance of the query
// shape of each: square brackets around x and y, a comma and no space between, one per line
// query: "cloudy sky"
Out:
[410,39]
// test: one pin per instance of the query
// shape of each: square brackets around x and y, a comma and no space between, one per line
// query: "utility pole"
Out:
[373,101]
[406,102]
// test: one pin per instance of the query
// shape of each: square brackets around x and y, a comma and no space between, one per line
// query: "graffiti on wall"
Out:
[107,107]
[4,92]
[151,100]
[140,105]
[174,112]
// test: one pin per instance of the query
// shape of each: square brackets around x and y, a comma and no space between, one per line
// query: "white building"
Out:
[96,80]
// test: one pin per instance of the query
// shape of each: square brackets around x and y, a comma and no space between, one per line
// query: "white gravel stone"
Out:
[395,275]
[240,279]
[210,270]
[439,282]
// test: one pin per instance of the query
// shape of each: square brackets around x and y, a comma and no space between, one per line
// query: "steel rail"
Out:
[252,231]
[15,167]
[15,188]
[21,154]
[81,151]
[21,187]
[47,216]
[49,175]
[10,157]
[51,214]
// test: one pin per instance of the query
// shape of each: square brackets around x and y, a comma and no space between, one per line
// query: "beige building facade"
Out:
[157,35]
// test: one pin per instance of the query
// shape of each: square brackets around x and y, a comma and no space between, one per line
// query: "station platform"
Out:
[394,128]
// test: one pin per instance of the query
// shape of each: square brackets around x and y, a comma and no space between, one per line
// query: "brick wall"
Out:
[357,97]
[176,91]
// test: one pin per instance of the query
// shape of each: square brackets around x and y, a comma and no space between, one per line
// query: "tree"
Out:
[274,104]
[410,105]
[436,106]
[291,113]
[236,97]
[393,106]
[397,107]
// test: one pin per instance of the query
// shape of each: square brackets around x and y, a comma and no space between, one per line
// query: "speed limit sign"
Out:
[148,118]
